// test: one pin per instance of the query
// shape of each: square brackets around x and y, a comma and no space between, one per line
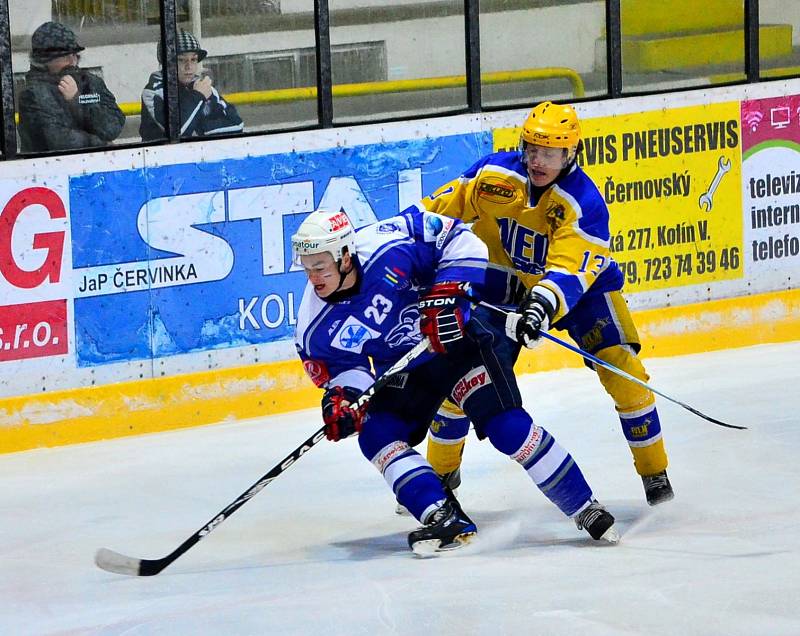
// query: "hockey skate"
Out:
[447,528]
[598,522]
[451,481]
[657,488]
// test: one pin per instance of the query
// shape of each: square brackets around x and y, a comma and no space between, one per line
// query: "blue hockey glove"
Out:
[340,420]
[536,313]
[443,311]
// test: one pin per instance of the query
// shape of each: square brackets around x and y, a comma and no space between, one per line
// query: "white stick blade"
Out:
[115,562]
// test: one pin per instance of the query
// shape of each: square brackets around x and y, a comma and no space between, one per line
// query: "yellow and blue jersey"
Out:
[557,237]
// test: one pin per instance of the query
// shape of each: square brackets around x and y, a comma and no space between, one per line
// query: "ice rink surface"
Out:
[320,550]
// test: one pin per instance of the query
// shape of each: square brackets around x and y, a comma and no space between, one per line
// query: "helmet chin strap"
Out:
[342,275]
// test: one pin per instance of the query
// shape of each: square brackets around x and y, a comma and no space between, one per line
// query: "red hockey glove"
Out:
[340,420]
[443,311]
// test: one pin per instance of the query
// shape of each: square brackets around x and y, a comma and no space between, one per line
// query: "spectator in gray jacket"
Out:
[63,107]
[204,111]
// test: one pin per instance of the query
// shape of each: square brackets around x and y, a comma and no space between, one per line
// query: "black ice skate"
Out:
[657,488]
[598,522]
[447,528]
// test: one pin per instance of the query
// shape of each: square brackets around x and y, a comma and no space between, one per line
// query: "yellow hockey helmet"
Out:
[552,125]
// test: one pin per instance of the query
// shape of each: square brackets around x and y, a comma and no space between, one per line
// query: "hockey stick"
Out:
[121,564]
[613,369]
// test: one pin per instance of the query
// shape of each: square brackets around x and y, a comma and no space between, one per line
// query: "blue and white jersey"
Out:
[379,320]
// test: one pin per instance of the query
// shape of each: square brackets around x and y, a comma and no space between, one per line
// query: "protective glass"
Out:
[316,262]
[544,156]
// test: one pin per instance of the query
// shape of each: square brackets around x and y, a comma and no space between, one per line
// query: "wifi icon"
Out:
[753,118]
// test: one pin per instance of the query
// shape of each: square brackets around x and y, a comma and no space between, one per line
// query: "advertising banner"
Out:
[34,270]
[191,257]
[771,181]
[672,181]
[138,263]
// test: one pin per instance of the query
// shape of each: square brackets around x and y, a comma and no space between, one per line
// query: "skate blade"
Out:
[655,501]
[611,535]
[434,547]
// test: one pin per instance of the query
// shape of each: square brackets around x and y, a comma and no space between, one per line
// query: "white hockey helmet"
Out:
[324,231]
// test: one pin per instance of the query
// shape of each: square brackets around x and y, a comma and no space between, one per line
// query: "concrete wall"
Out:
[781,12]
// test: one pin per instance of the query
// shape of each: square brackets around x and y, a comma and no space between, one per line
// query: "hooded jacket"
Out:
[200,117]
[47,121]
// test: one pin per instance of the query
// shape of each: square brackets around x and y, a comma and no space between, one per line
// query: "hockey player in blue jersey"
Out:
[371,297]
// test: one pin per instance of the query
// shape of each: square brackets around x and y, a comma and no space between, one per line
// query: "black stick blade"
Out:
[118,563]
[711,419]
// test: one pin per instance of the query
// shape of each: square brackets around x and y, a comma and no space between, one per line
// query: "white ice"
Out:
[320,550]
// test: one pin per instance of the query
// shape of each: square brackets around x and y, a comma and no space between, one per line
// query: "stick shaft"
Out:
[607,365]
[121,564]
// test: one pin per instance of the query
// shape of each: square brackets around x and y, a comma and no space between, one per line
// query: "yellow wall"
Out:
[147,406]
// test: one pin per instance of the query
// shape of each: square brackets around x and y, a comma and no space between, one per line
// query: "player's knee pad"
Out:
[628,396]
[446,439]
[379,430]
[507,431]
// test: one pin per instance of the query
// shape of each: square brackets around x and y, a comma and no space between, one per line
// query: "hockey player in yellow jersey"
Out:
[547,229]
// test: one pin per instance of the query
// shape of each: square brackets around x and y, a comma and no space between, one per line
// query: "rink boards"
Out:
[146,406]
[150,289]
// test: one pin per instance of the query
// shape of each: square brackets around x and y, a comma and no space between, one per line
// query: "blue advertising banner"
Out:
[191,257]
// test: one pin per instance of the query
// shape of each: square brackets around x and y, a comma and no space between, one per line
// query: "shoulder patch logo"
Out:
[433,225]
[436,228]
[556,211]
[496,190]
[388,228]
[317,371]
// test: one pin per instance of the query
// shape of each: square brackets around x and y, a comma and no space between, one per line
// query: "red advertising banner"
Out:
[33,303]
[34,330]
[771,119]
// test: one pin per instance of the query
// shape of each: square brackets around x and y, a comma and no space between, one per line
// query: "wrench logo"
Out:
[707,198]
